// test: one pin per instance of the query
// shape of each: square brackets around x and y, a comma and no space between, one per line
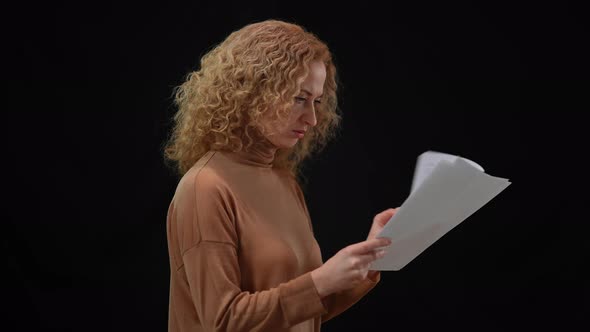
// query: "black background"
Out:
[504,84]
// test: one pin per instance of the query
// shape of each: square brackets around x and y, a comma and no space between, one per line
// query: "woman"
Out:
[242,252]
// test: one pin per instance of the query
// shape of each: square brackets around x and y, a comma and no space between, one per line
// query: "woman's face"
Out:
[302,115]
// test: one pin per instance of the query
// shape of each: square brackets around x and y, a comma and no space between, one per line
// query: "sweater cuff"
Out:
[300,300]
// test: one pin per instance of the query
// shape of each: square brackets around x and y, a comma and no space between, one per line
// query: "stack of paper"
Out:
[446,189]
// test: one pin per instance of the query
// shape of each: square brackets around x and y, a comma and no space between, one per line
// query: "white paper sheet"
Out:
[445,191]
[428,160]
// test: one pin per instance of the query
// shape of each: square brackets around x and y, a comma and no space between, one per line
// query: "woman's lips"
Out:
[299,133]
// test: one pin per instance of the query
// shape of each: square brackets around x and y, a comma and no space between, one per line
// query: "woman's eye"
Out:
[317,101]
[300,100]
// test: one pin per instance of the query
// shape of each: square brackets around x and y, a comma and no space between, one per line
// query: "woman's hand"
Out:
[348,267]
[379,222]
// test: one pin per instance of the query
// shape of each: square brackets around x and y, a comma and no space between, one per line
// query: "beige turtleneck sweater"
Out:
[241,249]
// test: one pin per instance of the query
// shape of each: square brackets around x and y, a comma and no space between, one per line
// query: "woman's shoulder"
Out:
[204,176]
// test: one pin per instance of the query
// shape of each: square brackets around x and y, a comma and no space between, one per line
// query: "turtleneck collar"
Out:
[260,154]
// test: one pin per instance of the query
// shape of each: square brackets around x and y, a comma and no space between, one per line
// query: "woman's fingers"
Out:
[383,217]
[380,253]
[363,261]
[371,256]
[368,246]
[361,264]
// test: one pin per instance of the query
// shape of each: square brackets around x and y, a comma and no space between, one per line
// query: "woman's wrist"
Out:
[318,281]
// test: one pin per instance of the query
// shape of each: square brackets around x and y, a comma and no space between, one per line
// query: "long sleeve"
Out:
[209,245]
[214,280]
[339,302]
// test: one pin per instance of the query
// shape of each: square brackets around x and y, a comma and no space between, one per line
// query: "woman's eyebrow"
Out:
[310,94]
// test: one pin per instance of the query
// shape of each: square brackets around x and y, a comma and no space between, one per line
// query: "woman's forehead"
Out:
[313,83]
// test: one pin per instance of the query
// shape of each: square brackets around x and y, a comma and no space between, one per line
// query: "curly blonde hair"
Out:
[255,70]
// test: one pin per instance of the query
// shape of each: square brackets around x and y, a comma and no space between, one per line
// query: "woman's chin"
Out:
[288,143]
[286,147]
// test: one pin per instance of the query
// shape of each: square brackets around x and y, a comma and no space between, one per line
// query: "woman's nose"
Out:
[310,116]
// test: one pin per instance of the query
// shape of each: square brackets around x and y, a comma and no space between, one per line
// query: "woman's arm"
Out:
[205,227]
[339,302]
[214,280]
